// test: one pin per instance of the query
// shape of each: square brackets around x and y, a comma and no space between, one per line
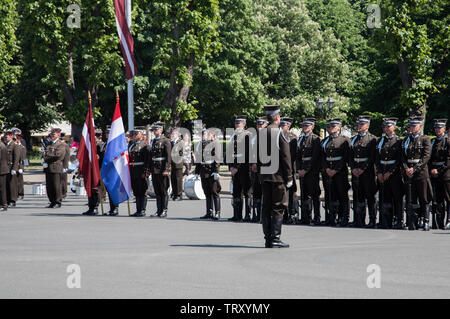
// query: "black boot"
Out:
[248,206]
[143,205]
[216,201]
[165,203]
[237,209]
[426,217]
[372,216]
[159,206]
[276,233]
[398,212]
[306,212]
[345,214]
[447,224]
[358,209]
[256,213]
[412,219]
[209,208]
[266,222]
[334,208]
[316,204]
[92,204]
[385,216]
[440,216]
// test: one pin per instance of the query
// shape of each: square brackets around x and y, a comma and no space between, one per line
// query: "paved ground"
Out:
[185,257]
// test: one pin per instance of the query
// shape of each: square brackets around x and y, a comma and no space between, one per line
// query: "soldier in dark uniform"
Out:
[416,151]
[139,154]
[65,167]
[285,125]
[362,163]
[387,163]
[308,167]
[335,158]
[261,123]
[160,159]
[4,171]
[94,199]
[239,143]
[113,208]
[23,155]
[13,166]
[439,166]
[176,173]
[53,167]
[276,176]
[208,170]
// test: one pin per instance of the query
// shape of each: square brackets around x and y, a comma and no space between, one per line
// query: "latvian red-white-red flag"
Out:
[87,155]
[126,39]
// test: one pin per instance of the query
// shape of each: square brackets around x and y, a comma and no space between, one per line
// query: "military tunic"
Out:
[274,176]
[4,171]
[54,156]
[176,172]
[13,166]
[388,160]
[308,159]
[336,156]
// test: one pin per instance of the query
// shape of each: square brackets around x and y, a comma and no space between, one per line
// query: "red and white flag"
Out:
[87,154]
[126,39]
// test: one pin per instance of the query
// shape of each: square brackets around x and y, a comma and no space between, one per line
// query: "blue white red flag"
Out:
[115,168]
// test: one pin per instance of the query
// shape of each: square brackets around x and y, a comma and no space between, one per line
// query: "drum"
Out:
[39,189]
[193,188]
[151,189]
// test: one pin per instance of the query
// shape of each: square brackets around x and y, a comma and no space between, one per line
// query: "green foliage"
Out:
[8,42]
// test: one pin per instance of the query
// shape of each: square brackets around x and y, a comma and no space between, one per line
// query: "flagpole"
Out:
[130,81]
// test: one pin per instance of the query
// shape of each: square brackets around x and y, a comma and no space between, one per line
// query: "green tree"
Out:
[75,60]
[230,81]
[310,61]
[8,42]
[416,35]
[184,32]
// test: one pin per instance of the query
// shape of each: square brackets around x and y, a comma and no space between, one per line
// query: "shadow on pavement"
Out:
[214,246]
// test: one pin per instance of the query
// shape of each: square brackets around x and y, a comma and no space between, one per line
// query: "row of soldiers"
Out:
[415,167]
[13,153]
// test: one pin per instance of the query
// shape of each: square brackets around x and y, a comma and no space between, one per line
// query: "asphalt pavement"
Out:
[58,253]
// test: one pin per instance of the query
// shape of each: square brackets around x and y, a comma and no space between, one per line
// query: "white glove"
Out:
[289,184]
[20,171]
[216,176]
[45,165]
[13,172]
[64,170]
[42,160]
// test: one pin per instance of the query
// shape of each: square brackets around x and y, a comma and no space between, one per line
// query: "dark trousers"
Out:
[63,184]
[274,204]
[3,191]
[366,188]
[441,189]
[139,183]
[20,185]
[339,187]
[160,184]
[242,184]
[256,186]
[11,182]
[53,186]
[176,180]
[211,187]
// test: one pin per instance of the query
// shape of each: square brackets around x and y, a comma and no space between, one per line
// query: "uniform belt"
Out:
[388,162]
[306,158]
[362,159]
[414,161]
[209,162]
[332,159]
[238,155]
[137,164]
[438,163]
[159,158]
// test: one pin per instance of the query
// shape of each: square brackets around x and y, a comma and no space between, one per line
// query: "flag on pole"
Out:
[115,169]
[126,39]
[87,153]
